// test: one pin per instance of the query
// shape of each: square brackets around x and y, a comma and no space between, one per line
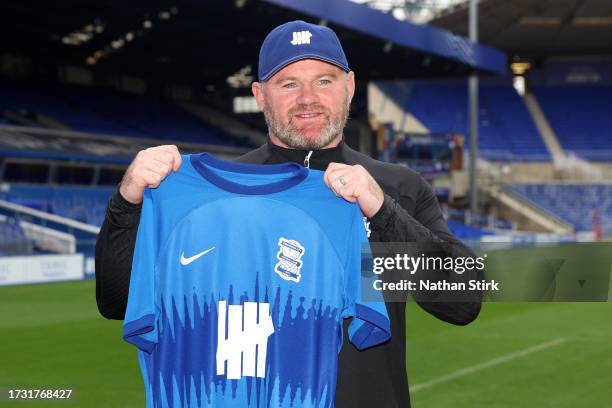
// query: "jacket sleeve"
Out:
[394,224]
[114,252]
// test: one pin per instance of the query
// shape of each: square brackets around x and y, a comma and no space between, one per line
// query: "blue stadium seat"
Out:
[574,203]
[466,232]
[85,204]
[19,97]
[581,116]
[506,129]
[13,240]
[106,111]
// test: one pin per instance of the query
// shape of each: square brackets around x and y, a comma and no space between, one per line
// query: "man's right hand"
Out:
[148,169]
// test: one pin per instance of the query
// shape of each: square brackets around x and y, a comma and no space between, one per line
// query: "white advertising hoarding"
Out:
[16,270]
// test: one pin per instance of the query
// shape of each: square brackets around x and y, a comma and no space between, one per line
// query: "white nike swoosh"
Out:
[187,261]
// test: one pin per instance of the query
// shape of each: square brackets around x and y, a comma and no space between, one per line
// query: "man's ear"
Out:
[257,89]
[351,84]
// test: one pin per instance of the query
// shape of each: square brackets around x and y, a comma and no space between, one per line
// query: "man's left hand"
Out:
[355,184]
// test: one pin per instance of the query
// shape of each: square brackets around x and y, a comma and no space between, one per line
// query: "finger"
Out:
[329,179]
[164,157]
[340,183]
[178,160]
[340,189]
[353,192]
[169,158]
[334,166]
[346,193]
[163,168]
[152,179]
[175,154]
[169,148]
[333,189]
[354,187]
[345,180]
[333,174]
[326,178]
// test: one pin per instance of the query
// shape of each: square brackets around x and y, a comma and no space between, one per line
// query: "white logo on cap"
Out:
[301,37]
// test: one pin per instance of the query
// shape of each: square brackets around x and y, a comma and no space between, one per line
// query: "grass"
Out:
[53,337]
[574,373]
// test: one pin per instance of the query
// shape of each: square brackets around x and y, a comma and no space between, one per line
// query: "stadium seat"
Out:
[13,240]
[583,128]
[84,204]
[506,131]
[466,232]
[578,203]
[105,111]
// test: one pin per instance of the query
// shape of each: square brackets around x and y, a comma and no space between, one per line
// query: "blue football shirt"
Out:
[241,278]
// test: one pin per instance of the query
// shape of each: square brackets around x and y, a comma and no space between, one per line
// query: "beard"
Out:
[294,138]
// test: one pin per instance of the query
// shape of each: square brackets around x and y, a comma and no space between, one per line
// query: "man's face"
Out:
[306,103]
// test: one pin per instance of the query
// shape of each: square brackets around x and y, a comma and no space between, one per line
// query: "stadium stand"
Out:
[470,226]
[578,203]
[105,111]
[85,204]
[507,131]
[27,100]
[466,232]
[582,128]
[88,204]
[13,240]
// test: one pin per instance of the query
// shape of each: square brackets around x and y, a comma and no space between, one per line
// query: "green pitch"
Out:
[522,354]
[53,337]
[514,355]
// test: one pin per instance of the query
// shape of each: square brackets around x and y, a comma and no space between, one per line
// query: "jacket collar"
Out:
[318,159]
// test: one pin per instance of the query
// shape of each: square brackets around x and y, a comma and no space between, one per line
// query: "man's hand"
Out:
[355,184]
[148,169]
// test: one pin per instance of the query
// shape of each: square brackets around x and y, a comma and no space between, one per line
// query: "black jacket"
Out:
[410,213]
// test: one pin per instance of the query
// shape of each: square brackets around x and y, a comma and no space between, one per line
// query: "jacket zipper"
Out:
[307,159]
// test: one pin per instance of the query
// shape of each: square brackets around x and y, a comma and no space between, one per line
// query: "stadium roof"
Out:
[417,11]
[539,28]
[208,41]
[405,35]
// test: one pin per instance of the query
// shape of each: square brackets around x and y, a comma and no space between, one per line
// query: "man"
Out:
[305,88]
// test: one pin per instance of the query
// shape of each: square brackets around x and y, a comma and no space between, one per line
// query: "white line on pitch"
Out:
[487,364]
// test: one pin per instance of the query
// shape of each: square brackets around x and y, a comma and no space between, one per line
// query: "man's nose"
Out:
[307,96]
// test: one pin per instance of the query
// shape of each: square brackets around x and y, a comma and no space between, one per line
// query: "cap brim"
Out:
[301,57]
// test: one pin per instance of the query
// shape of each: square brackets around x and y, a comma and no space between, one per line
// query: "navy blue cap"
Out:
[299,40]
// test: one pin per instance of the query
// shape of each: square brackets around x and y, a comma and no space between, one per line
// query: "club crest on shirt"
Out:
[289,257]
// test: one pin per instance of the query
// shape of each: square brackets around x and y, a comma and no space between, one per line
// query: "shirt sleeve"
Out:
[370,325]
[139,326]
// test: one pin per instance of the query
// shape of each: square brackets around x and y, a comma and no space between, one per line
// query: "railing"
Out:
[52,233]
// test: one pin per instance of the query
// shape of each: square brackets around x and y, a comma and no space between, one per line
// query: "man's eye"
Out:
[324,81]
[290,85]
